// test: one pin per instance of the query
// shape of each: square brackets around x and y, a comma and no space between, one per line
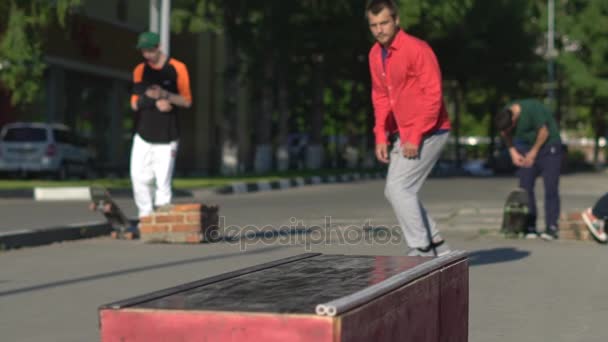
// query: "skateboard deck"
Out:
[102,202]
[515,213]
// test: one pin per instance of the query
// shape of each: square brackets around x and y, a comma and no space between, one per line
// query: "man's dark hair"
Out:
[503,119]
[376,6]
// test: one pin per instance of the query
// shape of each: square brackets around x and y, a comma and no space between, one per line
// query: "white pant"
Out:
[151,173]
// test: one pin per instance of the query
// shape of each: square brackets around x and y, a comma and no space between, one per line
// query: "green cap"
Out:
[148,40]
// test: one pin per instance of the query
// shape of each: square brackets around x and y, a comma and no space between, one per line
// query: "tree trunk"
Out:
[314,153]
[282,154]
[228,125]
[598,132]
[458,104]
[492,133]
[263,149]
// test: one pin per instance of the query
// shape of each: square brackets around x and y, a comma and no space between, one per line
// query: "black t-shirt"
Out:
[153,125]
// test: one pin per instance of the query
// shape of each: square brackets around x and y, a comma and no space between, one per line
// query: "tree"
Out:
[22,27]
[486,50]
[583,28]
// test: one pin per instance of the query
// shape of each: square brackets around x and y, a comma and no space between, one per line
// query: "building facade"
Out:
[88,81]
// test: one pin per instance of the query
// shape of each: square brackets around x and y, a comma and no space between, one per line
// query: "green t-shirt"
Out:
[534,115]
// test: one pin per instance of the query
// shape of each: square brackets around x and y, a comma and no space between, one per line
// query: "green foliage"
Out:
[583,32]
[489,51]
[471,125]
[196,16]
[22,43]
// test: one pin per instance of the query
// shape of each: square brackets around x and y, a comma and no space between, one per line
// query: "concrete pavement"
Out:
[519,290]
[458,203]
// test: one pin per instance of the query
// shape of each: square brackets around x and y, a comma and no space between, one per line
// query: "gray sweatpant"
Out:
[404,180]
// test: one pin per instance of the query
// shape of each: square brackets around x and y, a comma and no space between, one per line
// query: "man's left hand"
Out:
[409,150]
[164,106]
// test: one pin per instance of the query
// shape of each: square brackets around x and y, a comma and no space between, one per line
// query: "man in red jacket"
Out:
[411,116]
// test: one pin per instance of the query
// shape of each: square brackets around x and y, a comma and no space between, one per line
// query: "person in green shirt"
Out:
[532,136]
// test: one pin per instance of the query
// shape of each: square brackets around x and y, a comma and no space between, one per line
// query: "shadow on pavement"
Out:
[130,271]
[496,256]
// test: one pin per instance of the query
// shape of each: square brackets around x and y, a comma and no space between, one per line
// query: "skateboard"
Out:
[102,202]
[516,213]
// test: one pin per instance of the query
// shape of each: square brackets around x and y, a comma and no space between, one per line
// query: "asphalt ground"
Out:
[519,290]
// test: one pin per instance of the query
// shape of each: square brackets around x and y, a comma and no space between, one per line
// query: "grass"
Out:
[178,183]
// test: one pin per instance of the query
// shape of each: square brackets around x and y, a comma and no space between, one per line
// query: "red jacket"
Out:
[409,87]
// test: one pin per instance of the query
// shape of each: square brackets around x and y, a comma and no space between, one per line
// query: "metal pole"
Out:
[165,26]
[361,297]
[154,14]
[551,51]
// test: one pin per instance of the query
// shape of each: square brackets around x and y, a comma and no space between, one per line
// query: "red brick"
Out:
[187,207]
[186,228]
[169,218]
[568,235]
[193,218]
[575,230]
[585,235]
[153,228]
[574,216]
[146,219]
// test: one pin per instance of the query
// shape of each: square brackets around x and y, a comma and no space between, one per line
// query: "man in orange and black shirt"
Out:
[161,85]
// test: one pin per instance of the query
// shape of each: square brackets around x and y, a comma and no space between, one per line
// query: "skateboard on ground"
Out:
[102,202]
[516,213]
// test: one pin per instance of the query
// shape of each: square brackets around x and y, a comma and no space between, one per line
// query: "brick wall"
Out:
[180,223]
[572,227]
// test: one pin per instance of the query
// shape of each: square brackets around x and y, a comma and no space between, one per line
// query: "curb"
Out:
[39,237]
[81,193]
[286,183]
[74,193]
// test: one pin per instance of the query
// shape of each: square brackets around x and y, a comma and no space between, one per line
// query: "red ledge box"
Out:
[308,297]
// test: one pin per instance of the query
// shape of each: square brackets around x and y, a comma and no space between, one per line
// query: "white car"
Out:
[43,149]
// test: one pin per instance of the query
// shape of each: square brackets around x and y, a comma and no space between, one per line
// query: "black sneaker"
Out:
[550,234]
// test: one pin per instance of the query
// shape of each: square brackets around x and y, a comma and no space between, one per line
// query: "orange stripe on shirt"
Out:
[183,80]
[138,74]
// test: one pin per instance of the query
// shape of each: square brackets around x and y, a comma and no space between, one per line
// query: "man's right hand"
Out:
[154,92]
[382,153]
[516,157]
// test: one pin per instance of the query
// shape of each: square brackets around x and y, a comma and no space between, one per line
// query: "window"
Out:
[25,134]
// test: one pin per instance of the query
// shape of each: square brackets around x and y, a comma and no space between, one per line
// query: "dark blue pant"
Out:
[547,164]
[600,208]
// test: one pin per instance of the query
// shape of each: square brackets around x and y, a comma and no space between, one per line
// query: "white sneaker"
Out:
[594,225]
[531,236]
